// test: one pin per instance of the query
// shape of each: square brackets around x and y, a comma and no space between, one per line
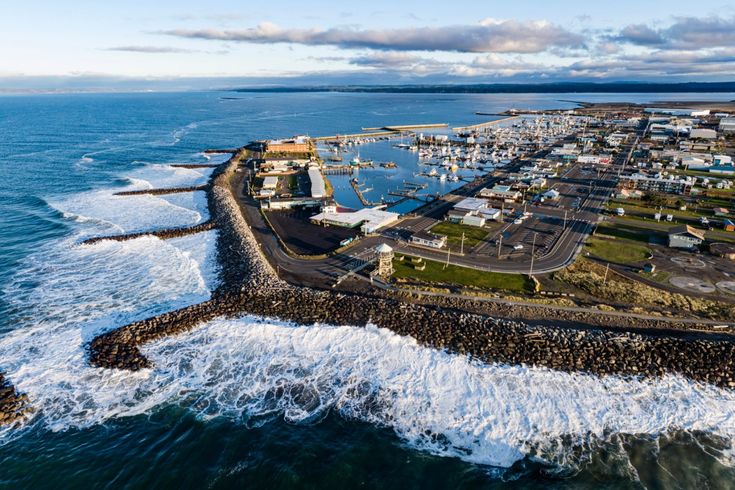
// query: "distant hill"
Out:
[509,88]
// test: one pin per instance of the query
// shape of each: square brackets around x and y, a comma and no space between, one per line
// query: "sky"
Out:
[162,43]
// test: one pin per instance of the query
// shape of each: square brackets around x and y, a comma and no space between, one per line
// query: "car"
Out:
[517,221]
[517,246]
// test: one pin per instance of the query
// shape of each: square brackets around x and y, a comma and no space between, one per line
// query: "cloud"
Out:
[489,36]
[684,33]
[148,49]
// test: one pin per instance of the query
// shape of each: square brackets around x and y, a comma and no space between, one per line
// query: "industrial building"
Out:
[727,125]
[685,236]
[298,144]
[318,187]
[369,220]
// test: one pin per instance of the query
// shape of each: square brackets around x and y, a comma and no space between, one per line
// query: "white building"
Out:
[369,220]
[704,134]
[426,239]
[501,192]
[318,188]
[270,183]
[685,236]
[727,125]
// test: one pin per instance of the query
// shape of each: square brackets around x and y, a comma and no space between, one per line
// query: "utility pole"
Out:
[565,220]
[500,244]
[461,246]
[449,251]
[533,253]
[604,280]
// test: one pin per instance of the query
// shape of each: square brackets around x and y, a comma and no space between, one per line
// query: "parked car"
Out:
[517,246]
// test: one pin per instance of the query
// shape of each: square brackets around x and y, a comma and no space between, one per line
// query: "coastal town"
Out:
[596,240]
[634,197]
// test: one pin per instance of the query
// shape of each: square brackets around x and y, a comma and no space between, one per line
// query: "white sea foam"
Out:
[119,214]
[66,294]
[126,213]
[252,370]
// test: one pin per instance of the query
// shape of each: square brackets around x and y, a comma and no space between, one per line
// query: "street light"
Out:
[533,250]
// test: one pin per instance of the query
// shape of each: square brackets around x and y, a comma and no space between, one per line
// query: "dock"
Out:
[374,134]
[345,168]
[361,196]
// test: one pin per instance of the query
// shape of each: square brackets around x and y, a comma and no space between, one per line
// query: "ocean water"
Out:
[262,403]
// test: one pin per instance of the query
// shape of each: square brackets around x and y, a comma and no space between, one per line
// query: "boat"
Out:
[388,164]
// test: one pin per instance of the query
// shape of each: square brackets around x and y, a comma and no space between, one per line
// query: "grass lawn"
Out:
[453,231]
[461,276]
[619,251]
[631,233]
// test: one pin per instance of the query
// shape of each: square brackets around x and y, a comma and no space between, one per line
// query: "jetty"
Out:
[408,127]
[475,127]
[161,192]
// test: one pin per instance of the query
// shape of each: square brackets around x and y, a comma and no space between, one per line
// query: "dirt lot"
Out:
[305,238]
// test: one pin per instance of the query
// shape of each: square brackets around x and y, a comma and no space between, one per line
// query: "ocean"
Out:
[261,403]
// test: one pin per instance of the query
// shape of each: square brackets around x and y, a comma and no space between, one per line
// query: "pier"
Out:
[408,127]
[360,194]
[475,127]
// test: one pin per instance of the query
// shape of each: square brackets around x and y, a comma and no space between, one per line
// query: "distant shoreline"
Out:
[506,88]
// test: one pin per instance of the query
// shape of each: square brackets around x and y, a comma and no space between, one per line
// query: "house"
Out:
[685,236]
[721,211]
[551,195]
[728,225]
[270,183]
[490,213]
[426,239]
[472,220]
[501,192]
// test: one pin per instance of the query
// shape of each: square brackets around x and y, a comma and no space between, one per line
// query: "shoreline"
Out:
[249,285]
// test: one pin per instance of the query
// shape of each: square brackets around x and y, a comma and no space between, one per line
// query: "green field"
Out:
[619,251]
[436,272]
[453,231]
[629,232]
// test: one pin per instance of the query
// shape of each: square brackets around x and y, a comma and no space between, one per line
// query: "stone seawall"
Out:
[242,263]
[13,406]
[163,234]
[600,352]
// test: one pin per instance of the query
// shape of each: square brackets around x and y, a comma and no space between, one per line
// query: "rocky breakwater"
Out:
[162,192]
[242,263]
[13,406]
[163,234]
[491,340]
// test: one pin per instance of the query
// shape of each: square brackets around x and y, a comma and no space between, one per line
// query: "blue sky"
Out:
[373,42]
